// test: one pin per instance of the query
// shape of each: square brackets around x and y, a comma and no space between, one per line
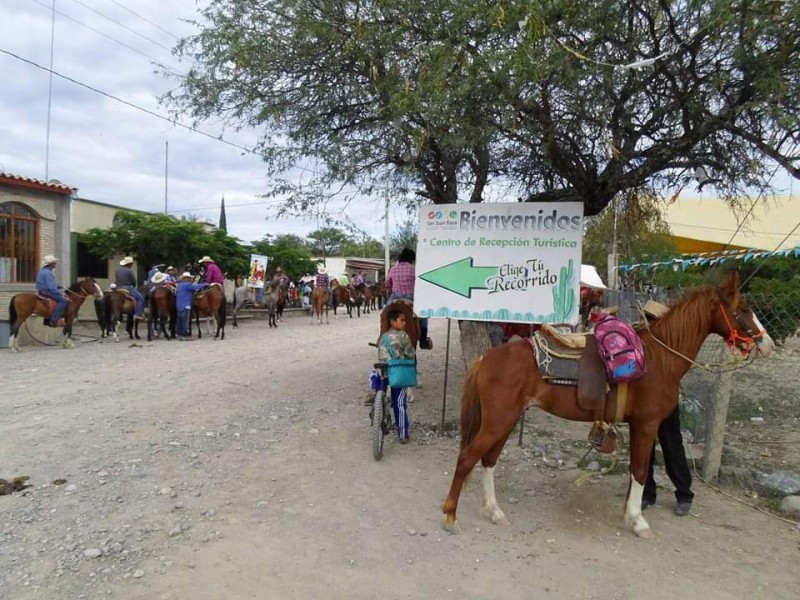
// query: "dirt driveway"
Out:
[243,469]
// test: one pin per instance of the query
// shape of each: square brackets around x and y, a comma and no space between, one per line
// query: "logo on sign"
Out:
[441,219]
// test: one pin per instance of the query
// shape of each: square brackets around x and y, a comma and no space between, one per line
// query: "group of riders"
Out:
[399,284]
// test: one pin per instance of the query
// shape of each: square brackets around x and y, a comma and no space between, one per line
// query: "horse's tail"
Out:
[12,312]
[470,405]
[223,312]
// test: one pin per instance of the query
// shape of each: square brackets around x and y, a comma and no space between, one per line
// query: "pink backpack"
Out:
[621,349]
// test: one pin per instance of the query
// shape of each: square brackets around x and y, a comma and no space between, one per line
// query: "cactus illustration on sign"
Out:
[564,295]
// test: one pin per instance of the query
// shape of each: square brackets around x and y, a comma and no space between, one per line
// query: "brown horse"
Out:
[506,380]
[319,301]
[163,309]
[341,296]
[115,304]
[26,304]
[377,296]
[357,294]
[210,302]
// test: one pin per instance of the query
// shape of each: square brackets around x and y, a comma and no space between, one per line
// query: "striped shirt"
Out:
[401,279]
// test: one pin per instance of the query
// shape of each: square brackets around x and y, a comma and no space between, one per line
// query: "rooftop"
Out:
[38,184]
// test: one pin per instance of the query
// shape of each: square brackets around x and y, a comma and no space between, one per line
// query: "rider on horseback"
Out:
[213,272]
[124,278]
[400,281]
[46,286]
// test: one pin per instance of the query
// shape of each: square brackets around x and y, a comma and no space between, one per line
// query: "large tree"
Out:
[156,238]
[557,100]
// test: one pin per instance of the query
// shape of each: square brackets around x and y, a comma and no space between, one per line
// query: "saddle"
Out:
[48,302]
[573,359]
[202,293]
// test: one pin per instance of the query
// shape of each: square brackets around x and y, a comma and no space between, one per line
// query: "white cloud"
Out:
[113,153]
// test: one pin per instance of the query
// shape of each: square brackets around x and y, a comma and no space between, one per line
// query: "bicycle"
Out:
[381,415]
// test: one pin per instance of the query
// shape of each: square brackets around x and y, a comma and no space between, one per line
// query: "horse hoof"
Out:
[450,525]
[646,534]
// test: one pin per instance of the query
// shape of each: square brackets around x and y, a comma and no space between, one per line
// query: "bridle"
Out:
[744,343]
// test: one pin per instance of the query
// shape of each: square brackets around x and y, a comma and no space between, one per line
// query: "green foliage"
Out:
[289,252]
[158,238]
[328,241]
[444,96]
[776,303]
[642,233]
[404,237]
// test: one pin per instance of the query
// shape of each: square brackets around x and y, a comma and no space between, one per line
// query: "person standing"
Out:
[675,463]
[46,286]
[400,281]
[183,301]
[395,343]
[213,272]
[124,278]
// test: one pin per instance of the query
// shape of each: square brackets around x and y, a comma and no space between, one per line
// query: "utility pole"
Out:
[166,177]
[50,95]
[386,239]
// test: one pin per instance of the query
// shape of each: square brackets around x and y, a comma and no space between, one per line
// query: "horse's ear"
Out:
[730,290]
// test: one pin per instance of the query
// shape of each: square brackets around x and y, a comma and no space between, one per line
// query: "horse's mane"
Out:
[688,320]
[75,287]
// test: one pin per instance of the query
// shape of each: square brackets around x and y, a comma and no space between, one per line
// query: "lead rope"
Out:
[734,365]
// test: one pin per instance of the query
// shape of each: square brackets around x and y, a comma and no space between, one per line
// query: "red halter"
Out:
[744,343]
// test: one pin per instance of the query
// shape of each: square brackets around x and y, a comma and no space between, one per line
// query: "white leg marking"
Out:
[633,512]
[490,507]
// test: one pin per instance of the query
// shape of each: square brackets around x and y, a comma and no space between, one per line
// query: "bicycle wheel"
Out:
[377,425]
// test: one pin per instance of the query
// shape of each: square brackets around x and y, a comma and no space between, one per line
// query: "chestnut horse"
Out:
[26,304]
[506,380]
[210,302]
[319,301]
[163,309]
[341,295]
[115,304]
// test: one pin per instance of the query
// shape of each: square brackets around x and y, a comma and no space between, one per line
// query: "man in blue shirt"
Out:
[46,286]
[183,301]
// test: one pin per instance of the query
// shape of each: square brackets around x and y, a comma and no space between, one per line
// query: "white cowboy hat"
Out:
[170,268]
[206,259]
[186,275]
[322,270]
[158,278]
[49,260]
[128,260]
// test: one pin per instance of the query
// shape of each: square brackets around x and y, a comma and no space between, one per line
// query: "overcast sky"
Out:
[114,153]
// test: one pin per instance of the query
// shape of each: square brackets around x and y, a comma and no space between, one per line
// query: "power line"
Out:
[113,39]
[130,104]
[133,31]
[145,19]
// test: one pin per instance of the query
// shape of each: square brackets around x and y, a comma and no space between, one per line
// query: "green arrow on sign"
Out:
[460,277]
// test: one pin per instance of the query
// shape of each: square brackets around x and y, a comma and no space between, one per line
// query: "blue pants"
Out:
[400,407]
[184,314]
[137,296]
[260,295]
[58,312]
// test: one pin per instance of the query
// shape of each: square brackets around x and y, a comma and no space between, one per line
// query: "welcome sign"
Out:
[515,262]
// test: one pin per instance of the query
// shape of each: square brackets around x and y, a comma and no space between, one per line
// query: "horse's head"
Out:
[738,324]
[90,288]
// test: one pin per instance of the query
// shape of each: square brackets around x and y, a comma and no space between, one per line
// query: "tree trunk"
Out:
[474,336]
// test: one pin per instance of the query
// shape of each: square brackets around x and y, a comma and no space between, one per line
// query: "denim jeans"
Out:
[184,314]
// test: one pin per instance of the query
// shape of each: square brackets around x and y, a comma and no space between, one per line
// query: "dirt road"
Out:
[243,469]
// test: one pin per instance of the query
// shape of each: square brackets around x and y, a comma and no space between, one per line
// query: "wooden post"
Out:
[715,420]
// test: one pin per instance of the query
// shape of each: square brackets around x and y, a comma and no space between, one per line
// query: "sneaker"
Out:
[403,440]
[683,508]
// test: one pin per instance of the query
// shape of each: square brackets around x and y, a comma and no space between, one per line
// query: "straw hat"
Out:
[128,260]
[186,275]
[49,260]
[322,270]
[158,278]
[205,259]
[655,309]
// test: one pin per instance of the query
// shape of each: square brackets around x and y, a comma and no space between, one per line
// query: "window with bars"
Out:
[19,243]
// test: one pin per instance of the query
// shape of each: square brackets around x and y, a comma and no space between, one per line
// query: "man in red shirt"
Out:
[400,281]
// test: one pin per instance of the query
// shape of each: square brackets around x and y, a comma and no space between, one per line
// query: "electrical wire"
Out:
[113,39]
[145,19]
[133,31]
[130,104]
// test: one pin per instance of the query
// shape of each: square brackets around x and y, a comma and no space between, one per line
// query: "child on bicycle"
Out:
[402,347]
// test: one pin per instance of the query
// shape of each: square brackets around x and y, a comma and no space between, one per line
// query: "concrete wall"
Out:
[53,211]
